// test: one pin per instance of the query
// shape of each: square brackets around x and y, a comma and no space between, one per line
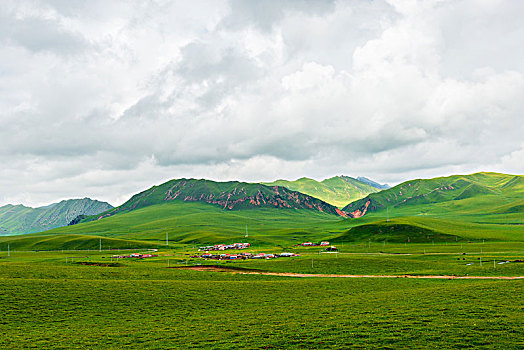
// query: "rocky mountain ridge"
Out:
[18,219]
[232,195]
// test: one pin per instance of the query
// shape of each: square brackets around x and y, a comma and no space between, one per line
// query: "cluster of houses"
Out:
[321,244]
[331,249]
[241,256]
[135,255]
[310,244]
[225,246]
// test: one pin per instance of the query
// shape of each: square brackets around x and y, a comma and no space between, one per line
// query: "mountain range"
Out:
[16,219]
[487,205]
[232,195]
[480,192]
[326,196]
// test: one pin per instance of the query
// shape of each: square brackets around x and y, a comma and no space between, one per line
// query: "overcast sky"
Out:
[106,98]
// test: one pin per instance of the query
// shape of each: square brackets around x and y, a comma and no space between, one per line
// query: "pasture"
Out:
[131,303]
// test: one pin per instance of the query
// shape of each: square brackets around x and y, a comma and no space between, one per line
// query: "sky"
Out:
[104,99]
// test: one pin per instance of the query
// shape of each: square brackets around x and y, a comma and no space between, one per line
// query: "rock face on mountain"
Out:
[500,187]
[338,190]
[16,219]
[231,195]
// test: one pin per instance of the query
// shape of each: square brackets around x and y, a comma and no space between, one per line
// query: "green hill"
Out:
[394,231]
[40,242]
[201,223]
[479,193]
[231,195]
[16,219]
[338,190]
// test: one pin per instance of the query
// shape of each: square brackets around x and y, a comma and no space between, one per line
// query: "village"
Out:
[310,244]
[225,246]
[321,244]
[135,255]
[235,256]
[241,256]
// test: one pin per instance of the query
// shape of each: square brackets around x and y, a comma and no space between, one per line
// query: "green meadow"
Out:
[50,300]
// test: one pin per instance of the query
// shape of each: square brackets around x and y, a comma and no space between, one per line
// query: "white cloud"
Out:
[105,99]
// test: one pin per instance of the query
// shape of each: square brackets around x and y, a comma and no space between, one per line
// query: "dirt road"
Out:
[305,275]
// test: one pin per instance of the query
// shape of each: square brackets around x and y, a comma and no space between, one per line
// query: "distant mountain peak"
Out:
[373,183]
[16,219]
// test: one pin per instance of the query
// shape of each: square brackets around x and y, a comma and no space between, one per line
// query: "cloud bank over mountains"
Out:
[103,99]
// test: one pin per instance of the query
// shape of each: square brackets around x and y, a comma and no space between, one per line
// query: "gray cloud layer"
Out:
[104,99]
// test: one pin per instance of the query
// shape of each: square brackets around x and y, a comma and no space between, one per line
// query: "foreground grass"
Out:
[47,303]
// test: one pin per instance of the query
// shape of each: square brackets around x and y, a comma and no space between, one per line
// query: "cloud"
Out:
[104,100]
[265,15]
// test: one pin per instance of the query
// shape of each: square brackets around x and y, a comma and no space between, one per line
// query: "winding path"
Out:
[292,274]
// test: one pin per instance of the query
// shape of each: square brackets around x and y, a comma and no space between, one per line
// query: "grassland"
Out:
[50,303]
[205,224]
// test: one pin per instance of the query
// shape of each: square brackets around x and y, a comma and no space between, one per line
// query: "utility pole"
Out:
[8,251]
[246,232]
[100,245]
[167,238]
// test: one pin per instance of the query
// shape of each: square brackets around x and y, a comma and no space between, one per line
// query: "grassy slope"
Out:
[16,219]
[478,206]
[68,241]
[230,195]
[203,223]
[197,223]
[338,191]
[476,193]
